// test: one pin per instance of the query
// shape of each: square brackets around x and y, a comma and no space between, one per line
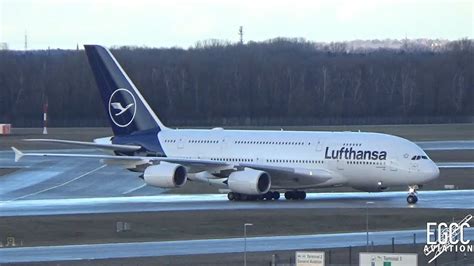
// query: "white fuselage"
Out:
[366,161]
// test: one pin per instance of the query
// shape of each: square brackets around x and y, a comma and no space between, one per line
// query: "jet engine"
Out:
[249,181]
[165,175]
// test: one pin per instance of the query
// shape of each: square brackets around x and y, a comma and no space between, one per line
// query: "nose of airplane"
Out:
[431,171]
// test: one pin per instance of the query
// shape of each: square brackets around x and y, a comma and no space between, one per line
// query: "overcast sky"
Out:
[63,24]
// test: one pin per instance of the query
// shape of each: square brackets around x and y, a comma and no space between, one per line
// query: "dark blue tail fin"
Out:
[127,110]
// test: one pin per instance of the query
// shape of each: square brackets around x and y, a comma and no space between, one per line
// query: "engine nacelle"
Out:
[250,182]
[165,175]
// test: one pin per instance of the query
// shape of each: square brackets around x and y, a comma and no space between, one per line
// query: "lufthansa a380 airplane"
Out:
[252,164]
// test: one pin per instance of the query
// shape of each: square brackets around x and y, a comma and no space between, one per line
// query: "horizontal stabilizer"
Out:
[104,146]
[18,154]
[117,159]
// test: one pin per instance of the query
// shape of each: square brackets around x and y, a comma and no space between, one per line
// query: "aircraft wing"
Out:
[290,177]
[148,159]
[104,146]
[281,176]
[455,165]
[448,145]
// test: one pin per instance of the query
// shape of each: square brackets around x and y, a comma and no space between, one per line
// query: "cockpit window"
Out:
[418,157]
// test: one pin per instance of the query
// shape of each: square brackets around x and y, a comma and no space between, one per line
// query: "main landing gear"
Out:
[270,195]
[412,194]
[295,195]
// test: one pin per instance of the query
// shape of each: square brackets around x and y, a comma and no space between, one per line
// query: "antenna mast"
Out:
[241,34]
[26,40]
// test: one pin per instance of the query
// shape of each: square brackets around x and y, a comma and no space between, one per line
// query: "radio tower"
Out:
[241,34]
[26,40]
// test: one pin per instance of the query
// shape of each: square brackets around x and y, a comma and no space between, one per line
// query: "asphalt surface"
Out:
[456,199]
[208,246]
[87,186]
[38,178]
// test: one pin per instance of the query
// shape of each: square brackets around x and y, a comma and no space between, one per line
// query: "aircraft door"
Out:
[336,163]
[393,165]
[340,164]
[180,143]
[224,144]
[319,145]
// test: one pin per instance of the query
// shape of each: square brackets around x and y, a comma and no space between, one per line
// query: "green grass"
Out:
[161,226]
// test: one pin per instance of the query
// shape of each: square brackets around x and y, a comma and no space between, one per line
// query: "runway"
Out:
[210,246]
[459,199]
[38,178]
[87,186]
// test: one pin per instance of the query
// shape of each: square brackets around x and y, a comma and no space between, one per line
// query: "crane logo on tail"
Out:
[118,106]
[122,107]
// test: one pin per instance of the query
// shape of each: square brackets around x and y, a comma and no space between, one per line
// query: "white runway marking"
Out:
[134,189]
[60,185]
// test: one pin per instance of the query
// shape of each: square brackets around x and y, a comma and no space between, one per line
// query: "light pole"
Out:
[245,242]
[367,223]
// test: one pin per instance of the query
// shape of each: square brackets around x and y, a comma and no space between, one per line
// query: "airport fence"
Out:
[350,255]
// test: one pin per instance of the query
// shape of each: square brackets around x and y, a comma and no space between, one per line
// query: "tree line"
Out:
[275,82]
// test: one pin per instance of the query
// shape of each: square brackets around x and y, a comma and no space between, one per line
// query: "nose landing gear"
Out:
[412,194]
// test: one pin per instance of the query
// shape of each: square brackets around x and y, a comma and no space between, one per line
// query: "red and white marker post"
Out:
[45,119]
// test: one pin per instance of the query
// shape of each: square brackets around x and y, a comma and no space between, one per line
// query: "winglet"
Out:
[18,154]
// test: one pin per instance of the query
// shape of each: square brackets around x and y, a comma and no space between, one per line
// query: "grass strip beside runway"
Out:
[182,225]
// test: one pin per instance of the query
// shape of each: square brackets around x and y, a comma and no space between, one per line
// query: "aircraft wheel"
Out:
[276,195]
[295,195]
[268,196]
[231,196]
[301,195]
[412,199]
[237,196]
